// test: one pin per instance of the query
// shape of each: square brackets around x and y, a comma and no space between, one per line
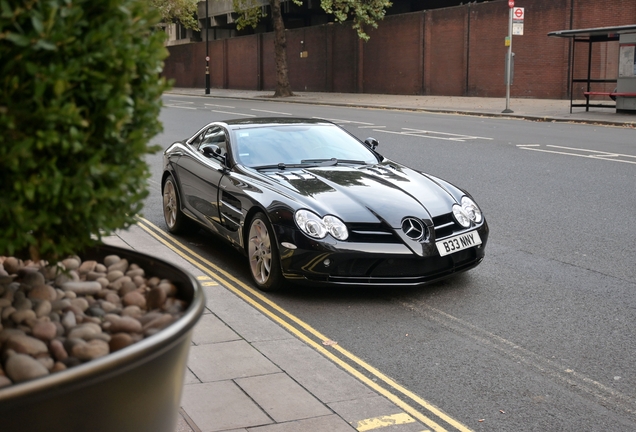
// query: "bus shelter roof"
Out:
[598,33]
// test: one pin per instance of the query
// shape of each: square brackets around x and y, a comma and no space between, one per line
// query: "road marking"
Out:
[580,152]
[215,272]
[179,104]
[234,113]
[341,121]
[206,281]
[272,112]
[370,127]
[218,106]
[434,135]
[384,421]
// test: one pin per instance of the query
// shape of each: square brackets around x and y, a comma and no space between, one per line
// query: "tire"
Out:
[176,221]
[263,256]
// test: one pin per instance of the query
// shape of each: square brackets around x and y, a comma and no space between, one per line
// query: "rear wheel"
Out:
[176,221]
[263,255]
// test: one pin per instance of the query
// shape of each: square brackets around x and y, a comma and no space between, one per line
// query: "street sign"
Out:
[517,29]
[511,3]
[517,14]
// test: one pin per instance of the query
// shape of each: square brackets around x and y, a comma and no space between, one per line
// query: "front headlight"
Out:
[312,225]
[471,209]
[461,216]
[467,212]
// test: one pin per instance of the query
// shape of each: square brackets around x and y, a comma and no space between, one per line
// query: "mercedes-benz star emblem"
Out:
[413,228]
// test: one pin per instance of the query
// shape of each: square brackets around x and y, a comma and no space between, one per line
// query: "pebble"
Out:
[121,265]
[23,344]
[12,265]
[43,292]
[33,278]
[58,350]
[124,324]
[90,350]
[134,298]
[22,367]
[86,331]
[44,330]
[55,318]
[119,341]
[156,298]
[86,267]
[83,288]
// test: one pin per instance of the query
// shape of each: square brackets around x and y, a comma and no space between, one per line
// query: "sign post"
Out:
[511,5]
[207,50]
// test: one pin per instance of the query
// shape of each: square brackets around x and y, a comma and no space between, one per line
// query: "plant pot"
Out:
[137,388]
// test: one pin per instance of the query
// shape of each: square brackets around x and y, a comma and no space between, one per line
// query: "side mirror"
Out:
[372,143]
[213,150]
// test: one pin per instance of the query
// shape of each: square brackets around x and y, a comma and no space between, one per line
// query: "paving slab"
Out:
[221,406]
[210,329]
[314,372]
[331,423]
[246,321]
[228,360]
[282,398]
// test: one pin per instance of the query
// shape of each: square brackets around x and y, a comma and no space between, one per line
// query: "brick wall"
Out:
[451,51]
[446,51]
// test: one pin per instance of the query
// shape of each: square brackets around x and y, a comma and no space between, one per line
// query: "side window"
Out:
[214,136]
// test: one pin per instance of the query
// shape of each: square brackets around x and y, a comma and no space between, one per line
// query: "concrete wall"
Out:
[453,51]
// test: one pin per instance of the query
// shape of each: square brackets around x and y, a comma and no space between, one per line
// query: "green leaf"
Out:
[18,39]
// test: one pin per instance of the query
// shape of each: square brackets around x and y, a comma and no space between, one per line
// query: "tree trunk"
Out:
[283,89]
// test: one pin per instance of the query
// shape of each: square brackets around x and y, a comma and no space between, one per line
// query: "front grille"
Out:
[371,233]
[445,226]
[397,268]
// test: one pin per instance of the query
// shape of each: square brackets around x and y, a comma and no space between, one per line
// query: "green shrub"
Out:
[79,102]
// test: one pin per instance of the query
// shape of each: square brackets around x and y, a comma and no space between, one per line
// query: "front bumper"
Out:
[331,262]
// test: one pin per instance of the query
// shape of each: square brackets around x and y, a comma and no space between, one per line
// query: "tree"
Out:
[361,12]
[183,11]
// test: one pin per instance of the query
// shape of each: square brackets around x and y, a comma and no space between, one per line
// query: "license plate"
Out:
[457,243]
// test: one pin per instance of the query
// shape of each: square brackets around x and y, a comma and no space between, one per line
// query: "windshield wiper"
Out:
[280,166]
[307,163]
[333,161]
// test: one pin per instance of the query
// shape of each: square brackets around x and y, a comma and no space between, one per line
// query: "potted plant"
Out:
[79,102]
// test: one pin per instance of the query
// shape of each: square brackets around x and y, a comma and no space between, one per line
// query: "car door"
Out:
[200,173]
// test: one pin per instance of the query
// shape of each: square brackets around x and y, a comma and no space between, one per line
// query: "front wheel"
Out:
[263,255]
[176,221]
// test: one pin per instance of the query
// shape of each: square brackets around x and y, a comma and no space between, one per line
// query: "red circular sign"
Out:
[511,3]
[518,12]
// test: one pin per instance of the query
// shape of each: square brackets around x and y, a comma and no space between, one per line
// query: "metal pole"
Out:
[207,51]
[509,64]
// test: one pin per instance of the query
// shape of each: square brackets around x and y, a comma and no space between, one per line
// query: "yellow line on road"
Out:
[318,347]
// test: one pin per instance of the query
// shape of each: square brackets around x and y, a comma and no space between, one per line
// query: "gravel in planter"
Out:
[56,317]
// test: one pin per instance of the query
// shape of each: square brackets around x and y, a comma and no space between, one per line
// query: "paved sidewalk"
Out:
[245,372]
[531,109]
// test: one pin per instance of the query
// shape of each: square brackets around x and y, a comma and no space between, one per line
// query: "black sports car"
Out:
[308,202]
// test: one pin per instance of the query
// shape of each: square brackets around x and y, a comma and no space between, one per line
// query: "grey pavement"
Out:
[247,373]
[524,108]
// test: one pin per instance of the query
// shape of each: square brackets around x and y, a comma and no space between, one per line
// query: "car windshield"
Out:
[299,145]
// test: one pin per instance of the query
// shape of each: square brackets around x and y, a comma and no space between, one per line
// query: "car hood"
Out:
[387,192]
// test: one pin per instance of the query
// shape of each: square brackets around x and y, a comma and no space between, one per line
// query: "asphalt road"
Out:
[536,338]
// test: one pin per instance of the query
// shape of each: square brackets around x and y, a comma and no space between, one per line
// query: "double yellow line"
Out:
[294,325]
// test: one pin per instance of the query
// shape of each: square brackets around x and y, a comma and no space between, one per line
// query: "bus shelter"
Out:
[624,93]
